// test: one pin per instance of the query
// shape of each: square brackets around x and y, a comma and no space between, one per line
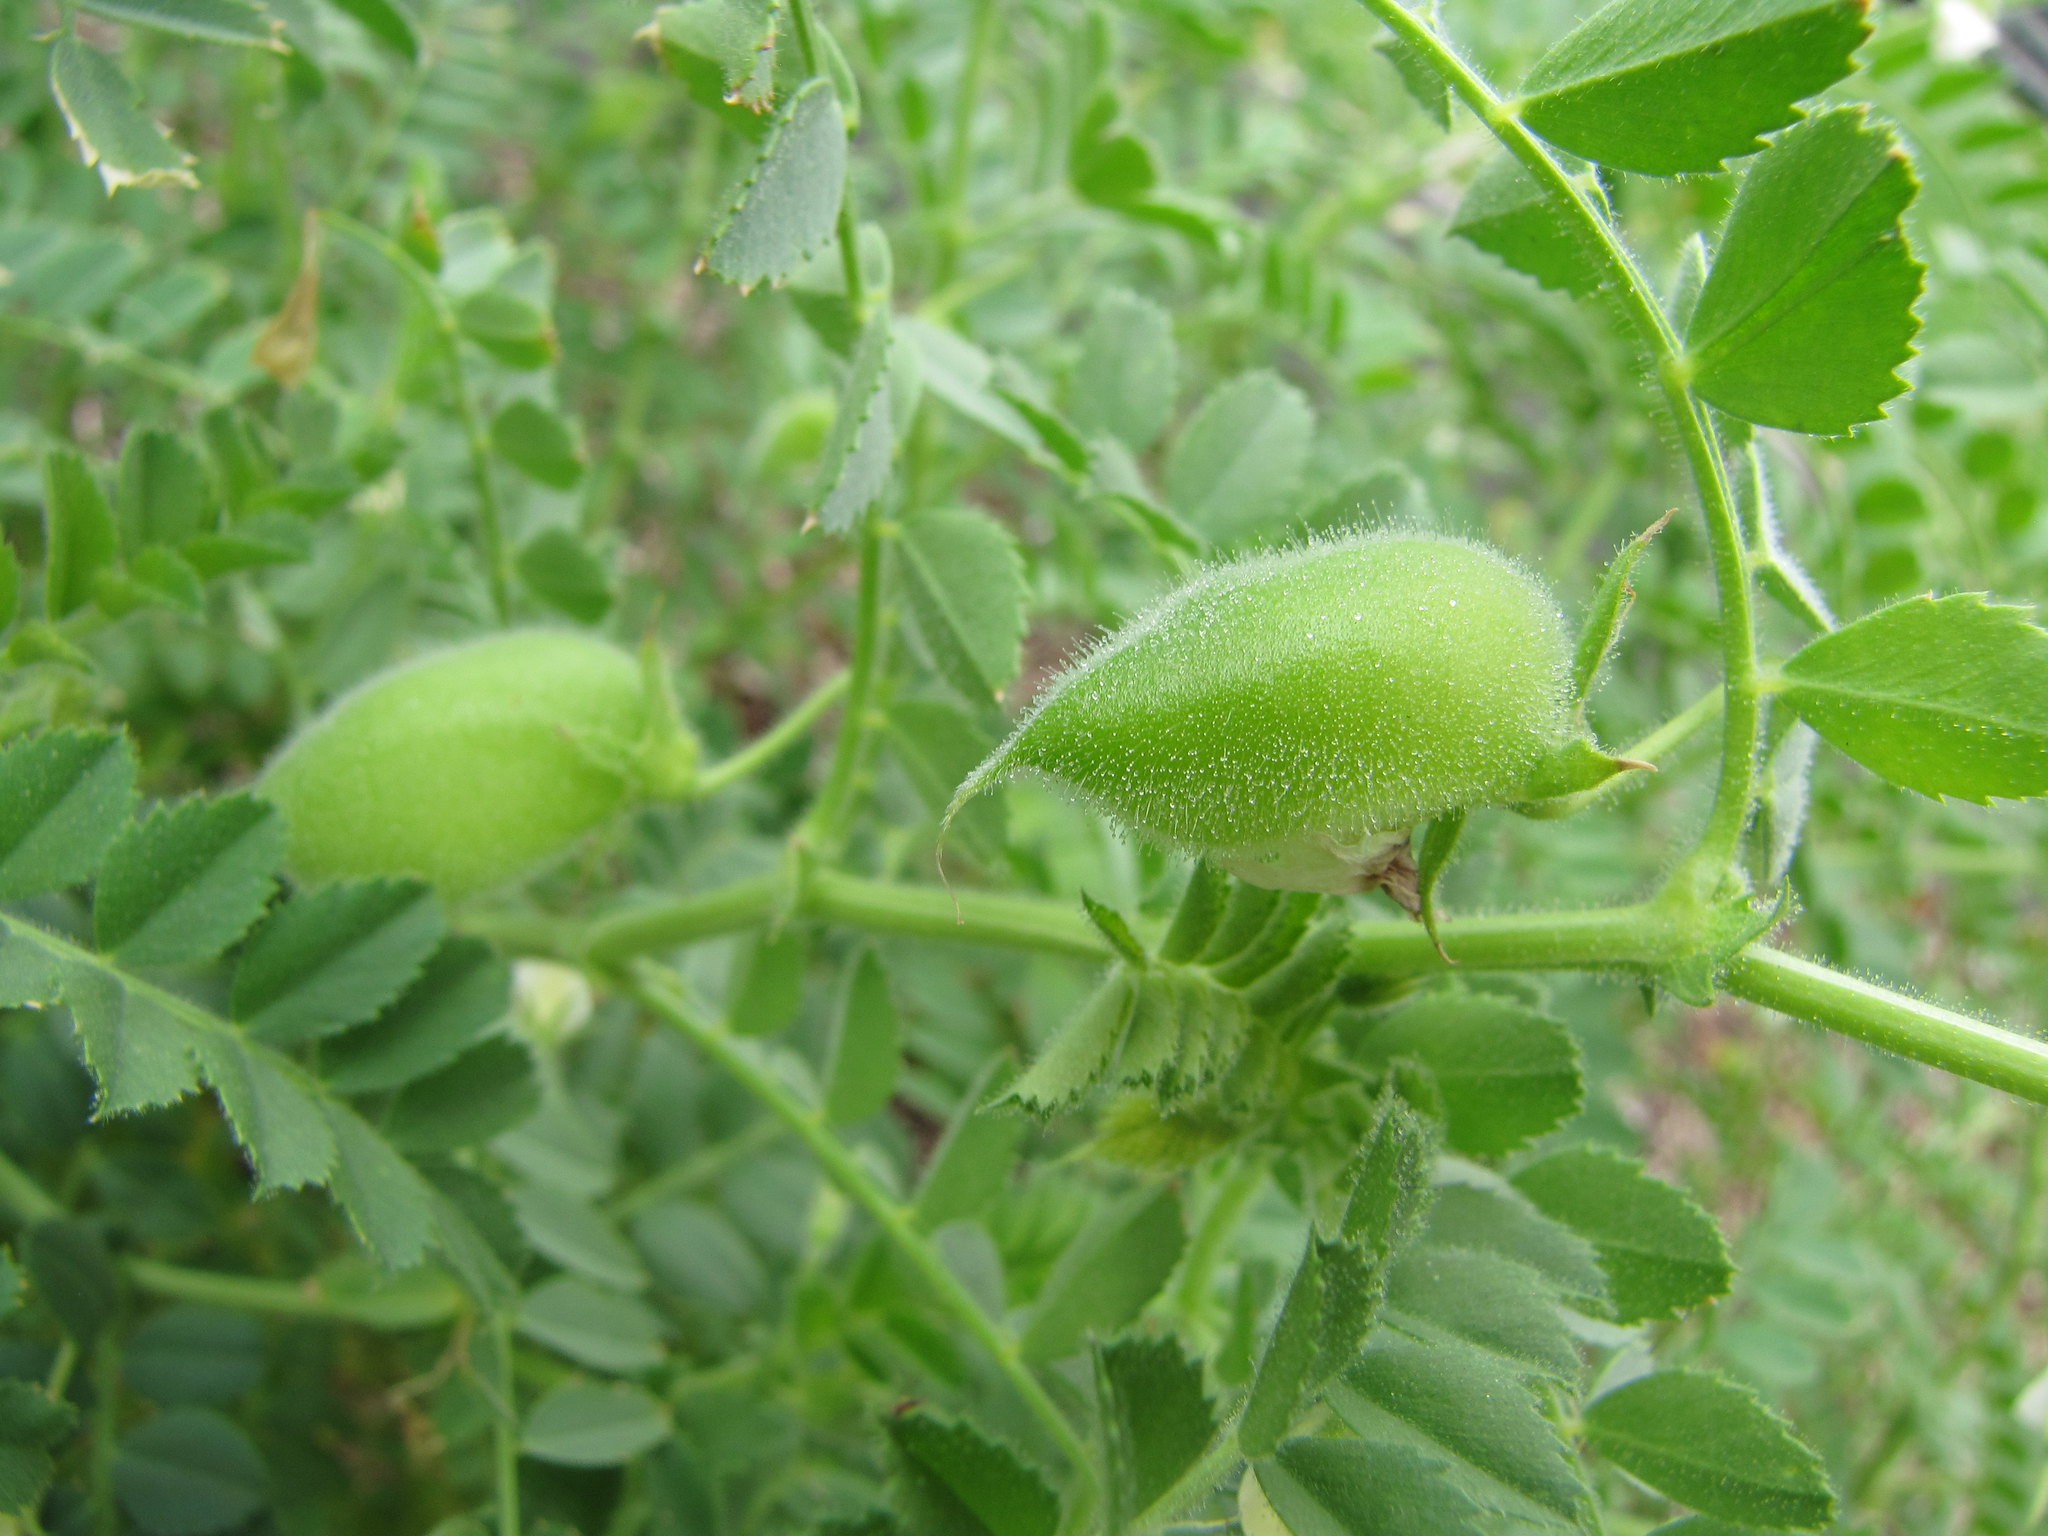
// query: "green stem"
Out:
[417,1307]
[1937,1036]
[505,1427]
[1734,790]
[22,1195]
[96,348]
[827,820]
[106,1434]
[490,513]
[1212,1238]
[1635,939]
[916,911]
[774,741]
[651,985]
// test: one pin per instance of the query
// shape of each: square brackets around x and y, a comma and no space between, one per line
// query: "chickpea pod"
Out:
[1292,716]
[476,764]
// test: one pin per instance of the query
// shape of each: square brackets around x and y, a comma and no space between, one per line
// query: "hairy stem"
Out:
[774,741]
[505,1427]
[1633,940]
[1734,790]
[652,987]
[1938,1036]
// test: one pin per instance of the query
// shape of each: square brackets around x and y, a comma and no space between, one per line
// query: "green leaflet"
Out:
[1319,1487]
[1158,1418]
[78,526]
[113,134]
[1507,1073]
[1108,1274]
[958,1480]
[1947,696]
[965,582]
[1238,458]
[538,443]
[619,1335]
[865,1044]
[187,880]
[212,21]
[1490,1302]
[735,40]
[334,957]
[1471,1408]
[1663,1255]
[788,206]
[1710,1444]
[188,1472]
[854,470]
[68,794]
[583,1424]
[1669,87]
[1128,375]
[1506,213]
[1809,308]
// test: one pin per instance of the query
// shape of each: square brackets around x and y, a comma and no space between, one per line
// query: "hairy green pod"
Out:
[475,764]
[1291,716]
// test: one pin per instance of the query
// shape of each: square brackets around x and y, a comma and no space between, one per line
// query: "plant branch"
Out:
[1740,728]
[652,987]
[490,514]
[96,348]
[1633,940]
[1892,1021]
[774,741]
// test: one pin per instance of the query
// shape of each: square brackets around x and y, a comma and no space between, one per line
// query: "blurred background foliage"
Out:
[1887,1220]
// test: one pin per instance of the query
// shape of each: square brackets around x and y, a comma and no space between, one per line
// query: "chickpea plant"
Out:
[1313,1258]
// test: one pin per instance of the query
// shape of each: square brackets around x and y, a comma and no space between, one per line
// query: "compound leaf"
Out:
[186,881]
[1948,696]
[1808,310]
[1672,87]
[962,1481]
[64,795]
[790,202]
[965,582]
[1662,1253]
[113,135]
[333,957]
[1710,1444]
